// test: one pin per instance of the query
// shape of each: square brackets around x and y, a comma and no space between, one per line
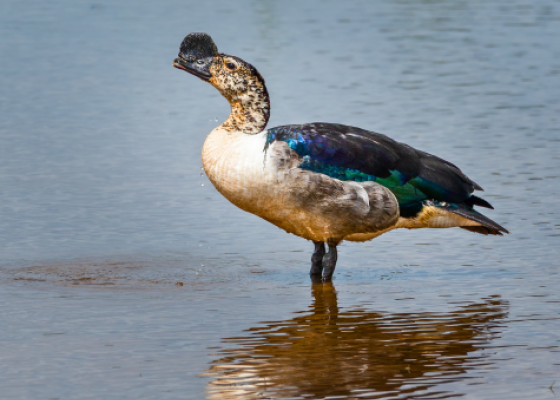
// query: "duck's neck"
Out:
[250,107]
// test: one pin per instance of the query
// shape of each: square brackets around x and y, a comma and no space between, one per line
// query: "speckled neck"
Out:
[250,117]
[249,100]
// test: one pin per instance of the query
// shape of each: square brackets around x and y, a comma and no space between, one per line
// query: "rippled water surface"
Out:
[124,274]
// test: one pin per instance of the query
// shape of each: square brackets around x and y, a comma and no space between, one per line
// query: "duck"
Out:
[324,182]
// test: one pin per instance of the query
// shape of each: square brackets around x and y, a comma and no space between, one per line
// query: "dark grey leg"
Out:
[317,259]
[329,263]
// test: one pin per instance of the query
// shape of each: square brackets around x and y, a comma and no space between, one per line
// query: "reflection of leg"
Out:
[329,263]
[324,303]
[317,259]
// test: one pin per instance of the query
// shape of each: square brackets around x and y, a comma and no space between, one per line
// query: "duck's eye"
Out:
[230,66]
[200,62]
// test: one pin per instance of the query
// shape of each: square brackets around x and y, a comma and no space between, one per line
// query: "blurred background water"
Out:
[124,274]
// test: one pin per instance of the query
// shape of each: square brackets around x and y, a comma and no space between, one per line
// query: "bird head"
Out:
[233,77]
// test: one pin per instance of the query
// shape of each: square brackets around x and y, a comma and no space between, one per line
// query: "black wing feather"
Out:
[377,156]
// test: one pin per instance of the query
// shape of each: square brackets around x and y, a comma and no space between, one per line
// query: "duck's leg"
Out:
[329,263]
[317,260]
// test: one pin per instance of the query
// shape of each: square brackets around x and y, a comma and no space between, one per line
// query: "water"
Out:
[124,274]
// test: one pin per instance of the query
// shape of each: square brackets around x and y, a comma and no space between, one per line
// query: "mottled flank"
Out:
[308,204]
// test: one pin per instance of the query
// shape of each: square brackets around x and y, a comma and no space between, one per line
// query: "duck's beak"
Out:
[197,67]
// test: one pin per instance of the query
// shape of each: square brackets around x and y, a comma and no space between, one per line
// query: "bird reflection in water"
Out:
[354,353]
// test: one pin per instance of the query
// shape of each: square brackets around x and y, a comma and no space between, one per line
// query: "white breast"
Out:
[234,163]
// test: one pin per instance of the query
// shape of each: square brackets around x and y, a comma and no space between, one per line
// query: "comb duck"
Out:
[323,182]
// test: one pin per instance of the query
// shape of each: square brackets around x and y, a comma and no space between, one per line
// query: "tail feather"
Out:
[484,230]
[477,201]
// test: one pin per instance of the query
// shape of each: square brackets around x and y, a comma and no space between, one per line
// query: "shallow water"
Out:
[124,274]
